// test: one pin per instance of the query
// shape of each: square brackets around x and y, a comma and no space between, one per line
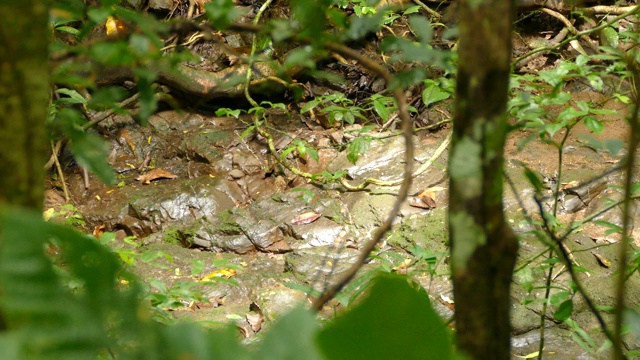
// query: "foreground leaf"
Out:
[396,321]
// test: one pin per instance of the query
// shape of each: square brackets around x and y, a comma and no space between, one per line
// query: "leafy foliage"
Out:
[44,316]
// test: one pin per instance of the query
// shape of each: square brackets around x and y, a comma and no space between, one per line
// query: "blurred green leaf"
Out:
[593,124]
[432,93]
[357,147]
[378,327]
[564,310]
[222,13]
[299,327]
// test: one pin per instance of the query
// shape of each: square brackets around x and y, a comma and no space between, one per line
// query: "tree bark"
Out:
[24,100]
[483,246]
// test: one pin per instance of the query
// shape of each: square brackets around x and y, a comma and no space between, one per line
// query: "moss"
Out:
[428,232]
[228,224]
[176,236]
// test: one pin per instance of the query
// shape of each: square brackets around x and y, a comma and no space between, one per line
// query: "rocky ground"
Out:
[209,195]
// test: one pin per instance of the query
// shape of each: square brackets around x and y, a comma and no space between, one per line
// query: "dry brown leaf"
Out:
[426,199]
[98,231]
[569,185]
[306,218]
[255,321]
[155,174]
[255,317]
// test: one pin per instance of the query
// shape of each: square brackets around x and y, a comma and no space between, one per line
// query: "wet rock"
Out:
[236,173]
[161,4]
[268,221]
[201,146]
[319,266]
[247,162]
[380,161]
[613,216]
[142,210]
[275,298]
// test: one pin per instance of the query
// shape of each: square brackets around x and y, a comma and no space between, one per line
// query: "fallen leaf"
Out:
[420,203]
[126,137]
[306,218]
[114,26]
[255,317]
[603,261]
[426,199]
[225,273]
[98,231]
[528,356]
[569,185]
[155,174]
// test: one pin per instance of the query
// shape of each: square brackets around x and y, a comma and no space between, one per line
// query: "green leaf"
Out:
[107,98]
[302,288]
[310,14]
[593,124]
[632,318]
[114,53]
[378,327]
[91,153]
[406,78]
[363,26]
[292,337]
[432,93]
[302,56]
[525,278]
[222,13]
[610,37]
[422,28]
[190,341]
[309,105]
[564,310]
[357,147]
[148,102]
[613,146]
[533,179]
[73,97]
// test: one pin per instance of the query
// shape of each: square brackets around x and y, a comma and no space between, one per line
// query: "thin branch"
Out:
[407,132]
[632,11]
[54,154]
[626,222]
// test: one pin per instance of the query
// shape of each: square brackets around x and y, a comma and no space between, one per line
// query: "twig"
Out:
[632,11]
[569,26]
[54,154]
[407,133]
[105,114]
[574,277]
[431,12]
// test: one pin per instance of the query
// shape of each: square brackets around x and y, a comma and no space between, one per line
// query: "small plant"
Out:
[69,213]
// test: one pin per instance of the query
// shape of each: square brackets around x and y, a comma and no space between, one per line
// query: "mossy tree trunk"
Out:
[24,99]
[484,248]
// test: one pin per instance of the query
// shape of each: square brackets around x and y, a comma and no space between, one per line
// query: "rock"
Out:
[161,4]
[319,266]
[249,163]
[236,173]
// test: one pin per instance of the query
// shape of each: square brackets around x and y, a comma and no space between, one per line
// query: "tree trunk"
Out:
[24,100]
[484,248]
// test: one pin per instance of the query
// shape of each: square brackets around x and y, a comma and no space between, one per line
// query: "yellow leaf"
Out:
[114,26]
[225,273]
[48,214]
[528,356]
